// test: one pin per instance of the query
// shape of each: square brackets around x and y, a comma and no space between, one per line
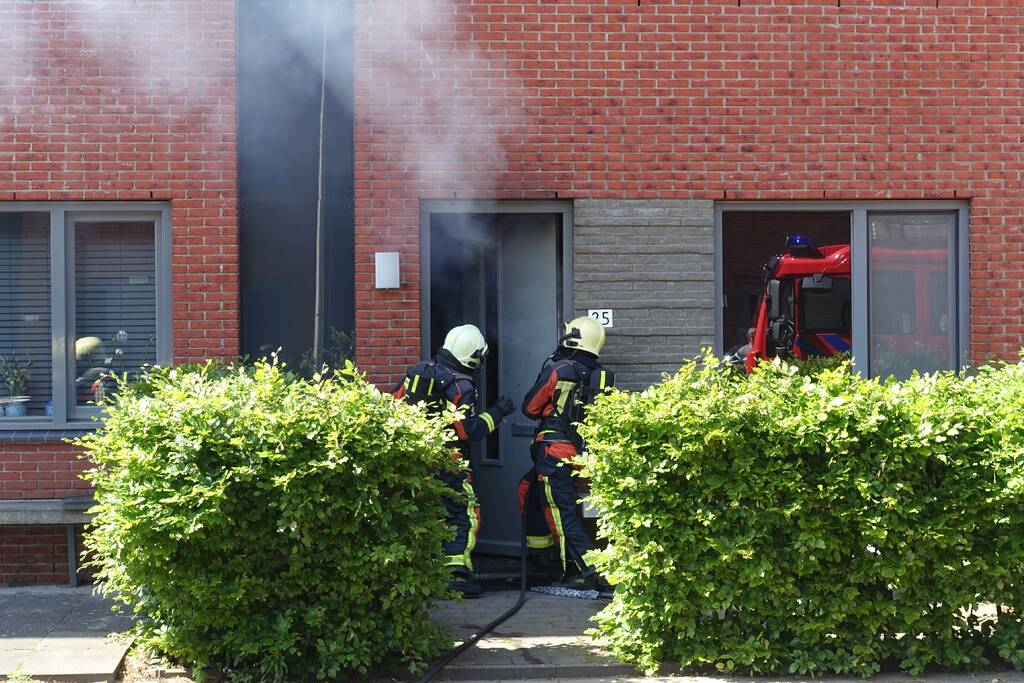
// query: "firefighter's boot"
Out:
[591,581]
[463,583]
[543,566]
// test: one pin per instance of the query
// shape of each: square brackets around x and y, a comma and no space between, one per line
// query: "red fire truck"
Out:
[805,308]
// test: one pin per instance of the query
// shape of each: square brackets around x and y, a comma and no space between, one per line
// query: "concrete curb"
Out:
[455,672]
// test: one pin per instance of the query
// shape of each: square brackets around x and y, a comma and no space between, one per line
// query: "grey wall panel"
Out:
[652,262]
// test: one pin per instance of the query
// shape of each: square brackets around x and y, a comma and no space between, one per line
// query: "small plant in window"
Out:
[14,377]
[114,368]
[105,380]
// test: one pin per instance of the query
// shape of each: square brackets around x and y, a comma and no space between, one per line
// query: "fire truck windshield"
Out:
[826,311]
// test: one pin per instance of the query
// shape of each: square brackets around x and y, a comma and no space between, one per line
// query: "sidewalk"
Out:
[545,639]
[61,634]
[58,633]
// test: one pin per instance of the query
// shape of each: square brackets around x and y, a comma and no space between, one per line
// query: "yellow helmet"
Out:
[467,344]
[85,346]
[585,334]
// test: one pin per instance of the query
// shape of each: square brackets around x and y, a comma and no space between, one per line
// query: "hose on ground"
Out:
[476,637]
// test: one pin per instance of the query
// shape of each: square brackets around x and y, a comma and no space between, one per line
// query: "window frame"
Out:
[859,254]
[63,217]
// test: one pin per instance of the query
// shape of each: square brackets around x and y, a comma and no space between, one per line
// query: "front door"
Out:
[502,273]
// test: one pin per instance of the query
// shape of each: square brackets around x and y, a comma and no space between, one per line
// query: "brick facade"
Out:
[642,112]
[687,99]
[90,110]
[41,470]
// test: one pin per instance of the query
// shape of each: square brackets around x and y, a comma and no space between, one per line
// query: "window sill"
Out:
[45,433]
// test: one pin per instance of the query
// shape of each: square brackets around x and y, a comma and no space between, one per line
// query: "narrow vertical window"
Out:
[911,301]
[114,304]
[25,347]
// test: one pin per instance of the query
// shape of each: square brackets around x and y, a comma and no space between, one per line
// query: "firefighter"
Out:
[447,381]
[569,381]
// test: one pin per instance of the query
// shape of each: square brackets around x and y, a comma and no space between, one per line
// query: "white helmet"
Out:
[585,334]
[467,344]
[85,346]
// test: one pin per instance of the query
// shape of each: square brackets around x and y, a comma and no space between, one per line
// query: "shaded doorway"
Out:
[507,273]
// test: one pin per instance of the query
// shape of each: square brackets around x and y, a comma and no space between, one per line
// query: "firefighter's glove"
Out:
[503,407]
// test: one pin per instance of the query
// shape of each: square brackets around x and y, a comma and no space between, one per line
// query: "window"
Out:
[84,294]
[908,288]
[893,297]
[25,312]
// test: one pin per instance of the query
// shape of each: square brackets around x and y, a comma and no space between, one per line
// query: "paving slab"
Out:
[59,633]
[545,639]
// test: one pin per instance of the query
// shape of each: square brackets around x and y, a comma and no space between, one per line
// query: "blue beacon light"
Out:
[799,244]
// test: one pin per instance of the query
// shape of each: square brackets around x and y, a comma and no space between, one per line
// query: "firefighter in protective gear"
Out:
[569,381]
[447,381]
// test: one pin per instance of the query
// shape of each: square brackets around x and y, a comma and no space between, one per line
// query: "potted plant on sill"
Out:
[14,376]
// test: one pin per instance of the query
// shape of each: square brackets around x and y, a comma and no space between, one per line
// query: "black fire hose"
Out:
[476,637]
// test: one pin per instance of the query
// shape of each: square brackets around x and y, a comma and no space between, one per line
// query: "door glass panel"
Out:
[115,304]
[25,347]
[909,257]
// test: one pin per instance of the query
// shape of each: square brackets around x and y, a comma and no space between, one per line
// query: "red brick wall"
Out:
[40,470]
[133,100]
[39,554]
[719,99]
[33,554]
[121,100]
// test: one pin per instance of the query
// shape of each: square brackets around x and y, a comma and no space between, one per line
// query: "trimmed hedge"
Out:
[271,526]
[787,523]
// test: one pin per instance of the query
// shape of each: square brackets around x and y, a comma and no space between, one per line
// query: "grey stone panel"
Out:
[652,262]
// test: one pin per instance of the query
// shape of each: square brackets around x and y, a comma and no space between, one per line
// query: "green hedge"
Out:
[274,527]
[788,523]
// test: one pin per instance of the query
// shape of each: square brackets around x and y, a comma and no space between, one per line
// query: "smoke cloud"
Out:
[420,92]
[137,60]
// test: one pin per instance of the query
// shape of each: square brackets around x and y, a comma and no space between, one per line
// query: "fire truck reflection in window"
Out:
[898,316]
[909,265]
[938,286]
[827,310]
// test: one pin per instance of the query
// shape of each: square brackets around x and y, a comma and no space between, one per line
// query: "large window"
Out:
[84,297]
[905,305]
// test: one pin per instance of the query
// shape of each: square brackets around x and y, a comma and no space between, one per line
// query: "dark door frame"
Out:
[516,206]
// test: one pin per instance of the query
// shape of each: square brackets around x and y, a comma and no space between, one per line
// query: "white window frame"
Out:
[63,216]
[859,247]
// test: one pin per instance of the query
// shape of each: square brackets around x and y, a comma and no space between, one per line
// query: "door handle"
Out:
[519,429]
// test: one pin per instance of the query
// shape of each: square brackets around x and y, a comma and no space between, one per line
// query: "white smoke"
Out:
[435,102]
[137,60]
